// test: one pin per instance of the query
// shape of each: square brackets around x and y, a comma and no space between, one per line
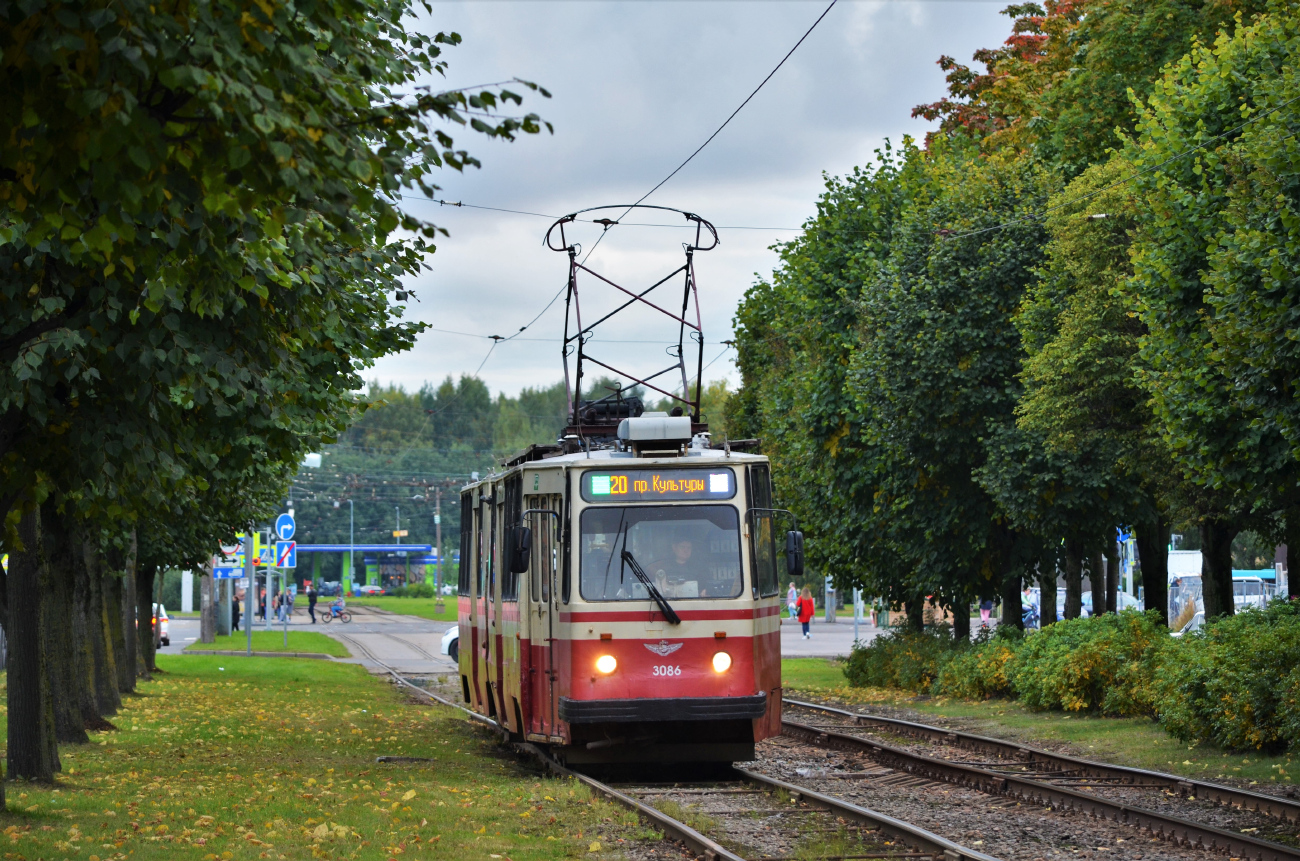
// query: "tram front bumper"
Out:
[663,709]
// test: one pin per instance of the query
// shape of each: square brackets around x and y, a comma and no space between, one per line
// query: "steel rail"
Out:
[910,834]
[1281,808]
[1161,826]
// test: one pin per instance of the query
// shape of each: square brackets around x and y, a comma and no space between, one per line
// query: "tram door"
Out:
[479,604]
[541,620]
[496,566]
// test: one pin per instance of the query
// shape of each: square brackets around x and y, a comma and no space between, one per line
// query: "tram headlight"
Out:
[606,664]
[721,662]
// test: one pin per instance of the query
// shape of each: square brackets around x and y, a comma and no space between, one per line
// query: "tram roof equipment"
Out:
[599,419]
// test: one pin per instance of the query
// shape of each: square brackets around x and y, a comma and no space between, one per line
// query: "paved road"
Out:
[827,640]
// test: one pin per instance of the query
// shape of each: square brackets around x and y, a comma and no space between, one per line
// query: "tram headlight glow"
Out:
[721,662]
[606,664]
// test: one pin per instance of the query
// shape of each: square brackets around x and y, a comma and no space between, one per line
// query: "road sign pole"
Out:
[284,604]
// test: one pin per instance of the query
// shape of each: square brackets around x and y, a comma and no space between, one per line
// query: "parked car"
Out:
[1124,601]
[451,643]
[160,613]
[330,589]
[369,589]
[448,589]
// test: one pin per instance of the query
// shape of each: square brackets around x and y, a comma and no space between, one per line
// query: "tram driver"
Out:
[675,577]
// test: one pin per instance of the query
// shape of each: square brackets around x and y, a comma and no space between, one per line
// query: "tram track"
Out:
[1116,794]
[861,832]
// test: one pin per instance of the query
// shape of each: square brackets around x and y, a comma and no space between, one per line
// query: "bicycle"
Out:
[335,611]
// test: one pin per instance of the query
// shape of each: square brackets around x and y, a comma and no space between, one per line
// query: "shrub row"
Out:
[415,590]
[1236,683]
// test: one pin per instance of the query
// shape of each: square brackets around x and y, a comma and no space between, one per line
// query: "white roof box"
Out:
[655,428]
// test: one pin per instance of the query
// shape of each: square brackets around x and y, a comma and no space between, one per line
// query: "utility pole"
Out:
[397,533]
[250,591]
[439,605]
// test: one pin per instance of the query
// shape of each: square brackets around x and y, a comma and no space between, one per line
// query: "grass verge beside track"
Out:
[1133,742]
[422,607]
[230,758]
[273,641]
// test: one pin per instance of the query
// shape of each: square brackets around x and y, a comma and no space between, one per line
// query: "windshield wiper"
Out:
[669,613]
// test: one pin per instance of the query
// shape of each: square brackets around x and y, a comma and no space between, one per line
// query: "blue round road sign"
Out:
[284,527]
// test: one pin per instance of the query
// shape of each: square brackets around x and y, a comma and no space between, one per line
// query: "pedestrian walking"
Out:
[792,601]
[311,602]
[289,595]
[235,610]
[986,610]
[806,608]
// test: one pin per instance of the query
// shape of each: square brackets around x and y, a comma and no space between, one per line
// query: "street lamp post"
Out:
[438,605]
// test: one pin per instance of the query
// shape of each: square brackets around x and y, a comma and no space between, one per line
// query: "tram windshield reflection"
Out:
[687,551]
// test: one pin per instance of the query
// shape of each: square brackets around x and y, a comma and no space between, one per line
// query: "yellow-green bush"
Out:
[1235,682]
[982,671]
[903,658]
[1105,664]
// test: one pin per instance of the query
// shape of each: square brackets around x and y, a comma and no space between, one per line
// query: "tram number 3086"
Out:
[662,670]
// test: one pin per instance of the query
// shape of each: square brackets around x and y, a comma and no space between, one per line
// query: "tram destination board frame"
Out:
[674,484]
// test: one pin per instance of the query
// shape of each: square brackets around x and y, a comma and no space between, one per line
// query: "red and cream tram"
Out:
[622,604]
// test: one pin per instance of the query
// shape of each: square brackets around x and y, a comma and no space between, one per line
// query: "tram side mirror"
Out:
[521,549]
[794,553]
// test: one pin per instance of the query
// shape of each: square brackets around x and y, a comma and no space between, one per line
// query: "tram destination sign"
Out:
[647,485]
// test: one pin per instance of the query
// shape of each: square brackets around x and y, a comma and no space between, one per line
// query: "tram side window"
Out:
[480,558]
[466,521]
[540,564]
[766,575]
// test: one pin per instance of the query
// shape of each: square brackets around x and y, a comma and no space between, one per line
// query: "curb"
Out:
[242,652]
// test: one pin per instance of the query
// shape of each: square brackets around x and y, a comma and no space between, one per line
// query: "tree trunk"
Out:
[1073,580]
[82,618]
[116,633]
[1216,567]
[33,749]
[1012,610]
[961,621]
[1046,594]
[129,638]
[107,697]
[1292,537]
[1097,582]
[208,608]
[144,577]
[1153,559]
[1112,574]
[916,613]
[61,552]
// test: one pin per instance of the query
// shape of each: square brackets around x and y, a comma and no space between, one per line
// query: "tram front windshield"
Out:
[687,551]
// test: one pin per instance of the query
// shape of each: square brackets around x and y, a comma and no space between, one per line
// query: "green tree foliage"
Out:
[1062,85]
[795,337]
[881,356]
[196,208]
[1215,257]
[936,373]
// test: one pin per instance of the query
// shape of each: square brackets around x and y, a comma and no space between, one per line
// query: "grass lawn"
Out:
[226,759]
[1128,741]
[273,641]
[422,607]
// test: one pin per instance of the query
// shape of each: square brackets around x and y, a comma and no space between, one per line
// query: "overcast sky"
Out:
[636,87]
